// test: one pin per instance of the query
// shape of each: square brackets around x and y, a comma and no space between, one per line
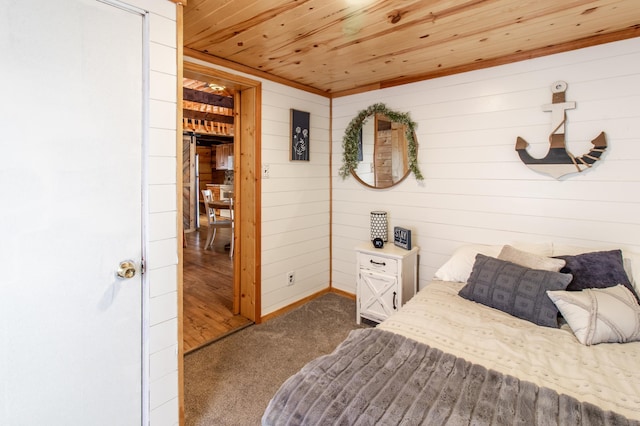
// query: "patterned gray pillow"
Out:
[514,289]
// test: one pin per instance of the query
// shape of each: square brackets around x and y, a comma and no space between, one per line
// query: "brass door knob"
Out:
[127,269]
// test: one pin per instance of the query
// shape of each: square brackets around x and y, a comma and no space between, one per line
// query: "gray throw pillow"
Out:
[515,289]
[598,269]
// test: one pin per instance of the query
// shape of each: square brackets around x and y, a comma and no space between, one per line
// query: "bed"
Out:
[449,357]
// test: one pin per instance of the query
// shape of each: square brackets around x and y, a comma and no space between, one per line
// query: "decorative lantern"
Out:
[379,225]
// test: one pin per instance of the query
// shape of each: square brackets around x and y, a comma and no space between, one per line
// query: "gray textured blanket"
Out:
[379,378]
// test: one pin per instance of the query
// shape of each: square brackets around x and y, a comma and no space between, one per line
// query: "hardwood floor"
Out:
[208,290]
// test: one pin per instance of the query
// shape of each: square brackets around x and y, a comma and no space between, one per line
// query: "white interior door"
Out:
[70,183]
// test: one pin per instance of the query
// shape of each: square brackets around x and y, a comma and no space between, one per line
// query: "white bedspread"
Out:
[607,375]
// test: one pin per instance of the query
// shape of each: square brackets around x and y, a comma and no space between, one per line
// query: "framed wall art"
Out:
[299,135]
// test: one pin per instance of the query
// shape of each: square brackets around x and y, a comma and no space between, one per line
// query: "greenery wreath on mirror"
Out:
[352,134]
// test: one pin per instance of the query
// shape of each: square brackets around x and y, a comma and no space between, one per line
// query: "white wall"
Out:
[160,214]
[295,196]
[295,199]
[162,251]
[476,189]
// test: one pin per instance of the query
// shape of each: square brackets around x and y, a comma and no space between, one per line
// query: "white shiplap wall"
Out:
[162,242]
[295,196]
[295,199]
[476,189]
[159,213]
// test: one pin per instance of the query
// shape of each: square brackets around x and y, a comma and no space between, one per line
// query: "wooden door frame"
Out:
[247,186]
[248,189]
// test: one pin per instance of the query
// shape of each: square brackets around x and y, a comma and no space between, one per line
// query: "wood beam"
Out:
[207,98]
[208,116]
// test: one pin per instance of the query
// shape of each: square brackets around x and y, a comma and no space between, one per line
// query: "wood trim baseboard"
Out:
[343,293]
[305,300]
[294,305]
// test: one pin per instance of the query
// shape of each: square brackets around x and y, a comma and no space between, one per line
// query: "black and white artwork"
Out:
[299,135]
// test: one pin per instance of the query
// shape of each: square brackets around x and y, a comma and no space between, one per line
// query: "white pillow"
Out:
[459,266]
[530,260]
[600,315]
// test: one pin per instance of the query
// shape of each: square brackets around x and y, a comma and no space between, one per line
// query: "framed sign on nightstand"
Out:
[402,237]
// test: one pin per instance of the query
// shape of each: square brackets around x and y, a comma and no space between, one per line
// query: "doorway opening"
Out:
[220,291]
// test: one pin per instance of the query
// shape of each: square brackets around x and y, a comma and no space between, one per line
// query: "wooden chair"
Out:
[228,196]
[232,209]
[213,221]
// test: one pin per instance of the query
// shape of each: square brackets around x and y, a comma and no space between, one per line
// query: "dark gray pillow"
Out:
[514,289]
[598,269]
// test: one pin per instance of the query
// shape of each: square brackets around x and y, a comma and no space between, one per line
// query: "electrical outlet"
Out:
[265,171]
[291,278]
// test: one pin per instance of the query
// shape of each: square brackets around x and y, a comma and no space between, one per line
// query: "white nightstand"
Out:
[386,279]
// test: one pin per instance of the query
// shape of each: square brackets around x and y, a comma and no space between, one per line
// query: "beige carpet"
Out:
[231,381]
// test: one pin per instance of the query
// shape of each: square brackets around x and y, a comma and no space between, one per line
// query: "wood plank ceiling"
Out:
[337,47]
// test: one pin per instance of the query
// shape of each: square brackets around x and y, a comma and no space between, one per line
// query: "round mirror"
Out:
[380,148]
[383,160]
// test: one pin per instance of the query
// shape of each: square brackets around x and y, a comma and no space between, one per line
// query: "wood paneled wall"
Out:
[476,189]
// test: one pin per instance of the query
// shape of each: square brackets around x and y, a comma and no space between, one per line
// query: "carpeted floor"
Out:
[230,382]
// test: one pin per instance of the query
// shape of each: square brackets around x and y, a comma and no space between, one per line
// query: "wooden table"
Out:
[221,204]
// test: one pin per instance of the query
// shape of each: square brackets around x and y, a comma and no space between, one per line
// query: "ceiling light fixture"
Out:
[216,87]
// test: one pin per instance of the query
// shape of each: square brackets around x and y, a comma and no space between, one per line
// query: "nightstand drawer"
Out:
[380,264]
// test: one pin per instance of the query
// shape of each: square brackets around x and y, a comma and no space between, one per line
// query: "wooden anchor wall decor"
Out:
[559,162]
